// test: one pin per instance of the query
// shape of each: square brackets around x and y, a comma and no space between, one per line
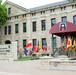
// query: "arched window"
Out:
[74,19]
[7,42]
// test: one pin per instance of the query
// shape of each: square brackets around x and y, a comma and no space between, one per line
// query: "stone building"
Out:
[34,24]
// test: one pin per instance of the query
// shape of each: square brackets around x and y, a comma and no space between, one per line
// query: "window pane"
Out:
[9,29]
[64,8]
[34,26]
[53,22]
[24,27]
[5,30]
[44,44]
[53,10]
[16,28]
[43,25]
[54,42]
[43,41]
[74,20]
[42,12]
[9,11]
[24,42]
[64,19]
[34,42]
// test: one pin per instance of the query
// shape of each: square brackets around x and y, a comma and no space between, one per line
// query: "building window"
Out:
[33,14]
[63,8]
[24,15]
[24,42]
[16,28]
[24,27]
[9,11]
[54,43]
[5,30]
[16,17]
[34,26]
[53,21]
[9,29]
[52,10]
[73,6]
[34,41]
[74,19]
[9,18]
[43,25]
[42,12]
[44,42]
[64,19]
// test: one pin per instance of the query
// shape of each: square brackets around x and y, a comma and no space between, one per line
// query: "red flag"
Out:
[35,48]
[44,47]
[29,44]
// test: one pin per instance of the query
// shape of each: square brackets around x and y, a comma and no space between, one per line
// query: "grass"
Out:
[28,58]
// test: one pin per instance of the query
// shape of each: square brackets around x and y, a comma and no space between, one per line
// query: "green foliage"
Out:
[3,13]
[28,58]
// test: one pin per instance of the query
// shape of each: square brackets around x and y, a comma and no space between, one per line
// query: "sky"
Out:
[32,3]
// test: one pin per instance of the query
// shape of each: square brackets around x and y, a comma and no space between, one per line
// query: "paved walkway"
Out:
[28,68]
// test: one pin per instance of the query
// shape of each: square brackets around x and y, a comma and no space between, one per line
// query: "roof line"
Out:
[49,5]
[18,6]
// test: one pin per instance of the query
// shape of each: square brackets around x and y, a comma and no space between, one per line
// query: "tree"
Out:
[3,13]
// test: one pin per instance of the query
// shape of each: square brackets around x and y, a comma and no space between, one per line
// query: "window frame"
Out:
[74,20]
[63,8]
[34,26]
[16,28]
[42,12]
[64,19]
[44,43]
[52,10]
[9,10]
[43,25]
[24,27]
[24,42]
[5,30]
[9,29]
[54,40]
[34,42]
[53,19]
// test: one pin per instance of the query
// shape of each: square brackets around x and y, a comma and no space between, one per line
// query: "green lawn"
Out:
[28,58]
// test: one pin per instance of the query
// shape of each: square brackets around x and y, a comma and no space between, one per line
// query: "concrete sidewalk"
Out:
[28,68]
[7,73]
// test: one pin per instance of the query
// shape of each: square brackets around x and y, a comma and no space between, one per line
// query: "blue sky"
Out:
[32,3]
